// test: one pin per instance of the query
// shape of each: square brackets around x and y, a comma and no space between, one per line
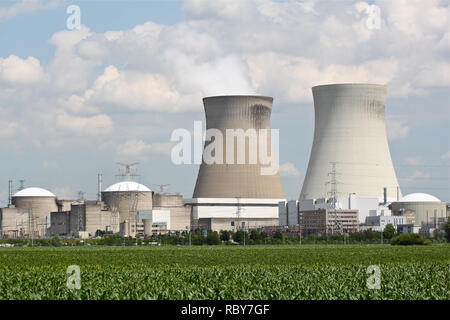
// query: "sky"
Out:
[75,102]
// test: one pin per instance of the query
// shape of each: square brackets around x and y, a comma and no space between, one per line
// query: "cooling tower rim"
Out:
[238,96]
[348,85]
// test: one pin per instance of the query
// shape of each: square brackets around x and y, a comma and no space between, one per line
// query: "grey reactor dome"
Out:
[237,180]
[350,130]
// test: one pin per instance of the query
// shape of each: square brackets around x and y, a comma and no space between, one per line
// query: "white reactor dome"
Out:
[127,186]
[34,192]
[419,197]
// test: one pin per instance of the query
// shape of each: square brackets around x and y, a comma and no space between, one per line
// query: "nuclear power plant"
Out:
[126,207]
[350,184]
[235,192]
[350,171]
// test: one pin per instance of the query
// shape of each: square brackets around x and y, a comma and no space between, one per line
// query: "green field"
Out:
[227,272]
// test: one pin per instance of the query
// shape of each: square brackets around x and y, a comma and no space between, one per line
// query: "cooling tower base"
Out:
[232,224]
[230,213]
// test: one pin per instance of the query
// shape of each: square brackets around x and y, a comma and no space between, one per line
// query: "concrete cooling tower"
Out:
[350,130]
[231,196]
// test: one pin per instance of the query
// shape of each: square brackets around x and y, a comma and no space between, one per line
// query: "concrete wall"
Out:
[40,207]
[124,201]
[59,223]
[180,214]
[425,212]
[217,224]
[14,222]
[292,213]
[350,130]
[232,207]
[20,222]
[89,216]
[282,213]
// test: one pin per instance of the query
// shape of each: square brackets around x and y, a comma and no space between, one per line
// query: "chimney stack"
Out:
[99,186]
[10,192]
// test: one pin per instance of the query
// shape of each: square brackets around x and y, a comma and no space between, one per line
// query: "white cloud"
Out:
[27,6]
[8,129]
[289,170]
[446,156]
[63,193]
[396,129]
[17,71]
[95,125]
[133,90]
[139,150]
[416,177]
[273,48]
[414,161]
[49,164]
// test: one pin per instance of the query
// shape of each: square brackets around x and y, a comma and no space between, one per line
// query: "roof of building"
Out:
[419,197]
[127,186]
[34,192]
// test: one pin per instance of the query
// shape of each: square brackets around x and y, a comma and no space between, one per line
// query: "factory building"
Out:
[84,218]
[328,222]
[378,223]
[37,212]
[350,144]
[290,211]
[155,222]
[422,211]
[180,213]
[235,192]
[28,212]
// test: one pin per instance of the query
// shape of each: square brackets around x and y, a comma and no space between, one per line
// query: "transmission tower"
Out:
[333,182]
[81,195]
[238,213]
[161,187]
[127,174]
[22,184]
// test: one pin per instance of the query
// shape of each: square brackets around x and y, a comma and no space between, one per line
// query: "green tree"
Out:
[409,239]
[389,231]
[225,235]
[239,236]
[255,235]
[212,238]
[278,235]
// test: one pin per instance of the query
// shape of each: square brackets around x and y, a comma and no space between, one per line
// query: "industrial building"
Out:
[423,211]
[328,222]
[231,196]
[28,212]
[350,183]
[126,207]
[378,223]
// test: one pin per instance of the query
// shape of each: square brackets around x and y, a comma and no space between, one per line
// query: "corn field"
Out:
[252,272]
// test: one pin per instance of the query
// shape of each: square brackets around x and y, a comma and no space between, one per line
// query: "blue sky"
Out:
[73,102]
